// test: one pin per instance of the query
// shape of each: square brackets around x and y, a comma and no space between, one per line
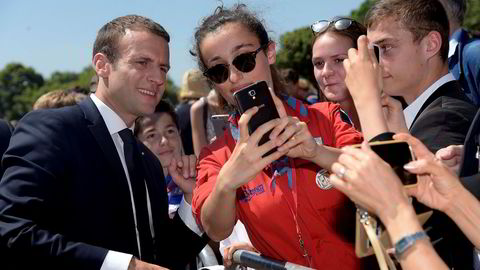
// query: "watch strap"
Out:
[406,242]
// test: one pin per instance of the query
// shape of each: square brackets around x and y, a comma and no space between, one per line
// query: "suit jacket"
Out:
[443,120]
[5,134]
[65,201]
[469,174]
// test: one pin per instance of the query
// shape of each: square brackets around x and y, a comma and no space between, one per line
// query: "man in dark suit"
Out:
[5,134]
[78,191]
[413,40]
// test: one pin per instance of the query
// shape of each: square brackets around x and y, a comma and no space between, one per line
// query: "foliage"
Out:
[472,18]
[359,13]
[21,86]
[296,52]
[16,79]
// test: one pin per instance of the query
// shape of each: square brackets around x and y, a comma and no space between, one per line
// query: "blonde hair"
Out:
[58,99]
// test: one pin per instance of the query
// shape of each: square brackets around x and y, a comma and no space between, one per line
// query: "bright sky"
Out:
[58,35]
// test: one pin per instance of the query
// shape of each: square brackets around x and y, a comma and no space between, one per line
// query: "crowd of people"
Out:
[121,179]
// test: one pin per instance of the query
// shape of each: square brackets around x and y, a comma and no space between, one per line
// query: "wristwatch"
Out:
[406,242]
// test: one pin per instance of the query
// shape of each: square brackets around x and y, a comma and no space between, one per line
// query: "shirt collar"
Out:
[455,39]
[412,110]
[112,120]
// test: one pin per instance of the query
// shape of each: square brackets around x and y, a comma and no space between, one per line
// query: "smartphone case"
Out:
[258,95]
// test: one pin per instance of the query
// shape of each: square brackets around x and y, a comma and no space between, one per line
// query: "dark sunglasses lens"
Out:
[218,73]
[343,24]
[244,62]
[319,26]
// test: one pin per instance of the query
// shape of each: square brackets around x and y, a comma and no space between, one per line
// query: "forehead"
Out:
[388,30]
[136,42]
[226,40]
[331,43]
[157,120]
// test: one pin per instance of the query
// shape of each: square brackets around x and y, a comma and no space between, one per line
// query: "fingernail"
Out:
[411,165]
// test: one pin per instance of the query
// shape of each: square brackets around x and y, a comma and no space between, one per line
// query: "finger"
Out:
[265,161]
[226,253]
[172,169]
[352,54]
[193,165]
[284,121]
[296,139]
[278,104]
[293,128]
[418,148]
[338,183]
[346,65]
[363,52]
[264,128]
[358,153]
[186,167]
[264,148]
[424,166]
[243,122]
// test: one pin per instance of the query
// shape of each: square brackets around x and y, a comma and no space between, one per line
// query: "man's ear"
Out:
[432,44]
[271,53]
[101,65]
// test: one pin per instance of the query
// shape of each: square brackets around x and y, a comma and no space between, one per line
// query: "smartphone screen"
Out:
[397,154]
[376,50]
[258,95]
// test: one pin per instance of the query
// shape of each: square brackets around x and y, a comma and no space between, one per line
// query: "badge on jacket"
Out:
[322,180]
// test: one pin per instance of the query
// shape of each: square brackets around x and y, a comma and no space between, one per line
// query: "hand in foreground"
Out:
[437,184]
[393,112]
[369,181]
[296,140]
[246,160]
[451,156]
[363,74]
[228,251]
[136,264]
[183,171]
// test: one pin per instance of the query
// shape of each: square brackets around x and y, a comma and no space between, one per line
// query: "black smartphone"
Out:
[397,154]
[258,95]
[376,50]
[220,123]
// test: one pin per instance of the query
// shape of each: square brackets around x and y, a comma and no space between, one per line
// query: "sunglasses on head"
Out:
[340,24]
[244,62]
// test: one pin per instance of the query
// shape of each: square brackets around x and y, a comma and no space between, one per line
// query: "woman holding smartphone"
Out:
[331,42]
[285,200]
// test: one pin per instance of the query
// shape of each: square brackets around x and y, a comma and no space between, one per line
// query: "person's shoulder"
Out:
[324,107]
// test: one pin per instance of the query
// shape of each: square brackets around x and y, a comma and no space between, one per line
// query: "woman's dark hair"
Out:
[237,14]
[162,107]
[353,32]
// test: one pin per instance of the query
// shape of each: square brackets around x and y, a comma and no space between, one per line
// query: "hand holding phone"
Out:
[396,154]
[258,95]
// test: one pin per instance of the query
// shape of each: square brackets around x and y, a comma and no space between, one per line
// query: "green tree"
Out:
[15,80]
[296,52]
[359,13]
[171,91]
[472,18]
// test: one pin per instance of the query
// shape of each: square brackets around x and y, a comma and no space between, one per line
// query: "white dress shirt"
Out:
[412,110]
[118,260]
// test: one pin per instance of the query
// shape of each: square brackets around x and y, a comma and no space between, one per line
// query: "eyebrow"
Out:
[385,40]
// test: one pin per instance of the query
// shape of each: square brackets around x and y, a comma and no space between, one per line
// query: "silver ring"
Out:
[341,173]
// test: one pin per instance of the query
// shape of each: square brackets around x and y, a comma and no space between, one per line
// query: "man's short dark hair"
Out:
[420,17]
[109,35]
